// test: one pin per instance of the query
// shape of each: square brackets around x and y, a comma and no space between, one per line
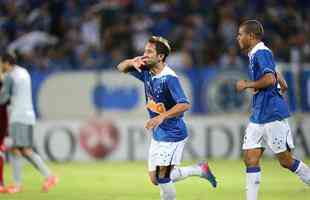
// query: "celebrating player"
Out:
[166,104]
[16,86]
[268,122]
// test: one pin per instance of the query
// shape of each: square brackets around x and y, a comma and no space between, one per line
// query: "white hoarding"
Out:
[126,138]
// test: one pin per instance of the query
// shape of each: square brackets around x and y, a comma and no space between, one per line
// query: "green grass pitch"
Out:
[129,181]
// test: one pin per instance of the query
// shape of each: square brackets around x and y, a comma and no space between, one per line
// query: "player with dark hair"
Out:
[166,104]
[268,122]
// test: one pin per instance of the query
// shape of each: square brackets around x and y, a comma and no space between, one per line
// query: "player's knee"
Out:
[251,161]
[284,165]
[163,175]
[285,159]
[26,151]
[15,151]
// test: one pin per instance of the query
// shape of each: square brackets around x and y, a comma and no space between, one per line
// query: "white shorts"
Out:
[165,153]
[277,135]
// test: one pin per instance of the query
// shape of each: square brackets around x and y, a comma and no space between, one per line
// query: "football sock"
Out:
[180,173]
[16,161]
[253,175]
[38,163]
[302,170]
[167,189]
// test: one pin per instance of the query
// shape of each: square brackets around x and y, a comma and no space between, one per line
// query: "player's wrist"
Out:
[164,116]
[248,84]
[129,62]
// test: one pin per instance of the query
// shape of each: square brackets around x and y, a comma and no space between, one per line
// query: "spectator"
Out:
[87,34]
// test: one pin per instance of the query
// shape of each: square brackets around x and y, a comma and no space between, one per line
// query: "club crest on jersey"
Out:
[155,107]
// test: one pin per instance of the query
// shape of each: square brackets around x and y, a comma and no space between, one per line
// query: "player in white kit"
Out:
[17,89]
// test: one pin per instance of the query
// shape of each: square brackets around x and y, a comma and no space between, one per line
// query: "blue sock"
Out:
[163,180]
[295,165]
[252,169]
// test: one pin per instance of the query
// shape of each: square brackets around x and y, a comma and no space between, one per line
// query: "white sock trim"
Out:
[167,191]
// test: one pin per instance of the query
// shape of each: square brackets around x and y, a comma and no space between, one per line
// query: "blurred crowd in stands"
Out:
[53,35]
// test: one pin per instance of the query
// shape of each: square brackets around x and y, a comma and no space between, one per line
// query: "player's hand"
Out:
[138,62]
[254,91]
[154,122]
[283,91]
[241,85]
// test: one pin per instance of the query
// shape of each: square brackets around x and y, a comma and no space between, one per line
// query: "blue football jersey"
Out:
[162,92]
[267,104]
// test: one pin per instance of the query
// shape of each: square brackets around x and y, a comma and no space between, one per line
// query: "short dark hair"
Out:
[8,57]
[162,45]
[253,26]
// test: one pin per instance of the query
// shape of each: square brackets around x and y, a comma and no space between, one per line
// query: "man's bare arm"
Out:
[134,63]
[176,110]
[125,66]
[264,82]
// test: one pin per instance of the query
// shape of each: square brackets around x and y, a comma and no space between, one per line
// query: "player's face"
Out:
[151,54]
[243,39]
[4,66]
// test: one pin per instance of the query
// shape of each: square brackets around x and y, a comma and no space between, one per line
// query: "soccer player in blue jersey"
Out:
[166,104]
[268,122]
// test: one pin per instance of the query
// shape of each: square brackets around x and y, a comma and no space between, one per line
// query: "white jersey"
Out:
[21,107]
